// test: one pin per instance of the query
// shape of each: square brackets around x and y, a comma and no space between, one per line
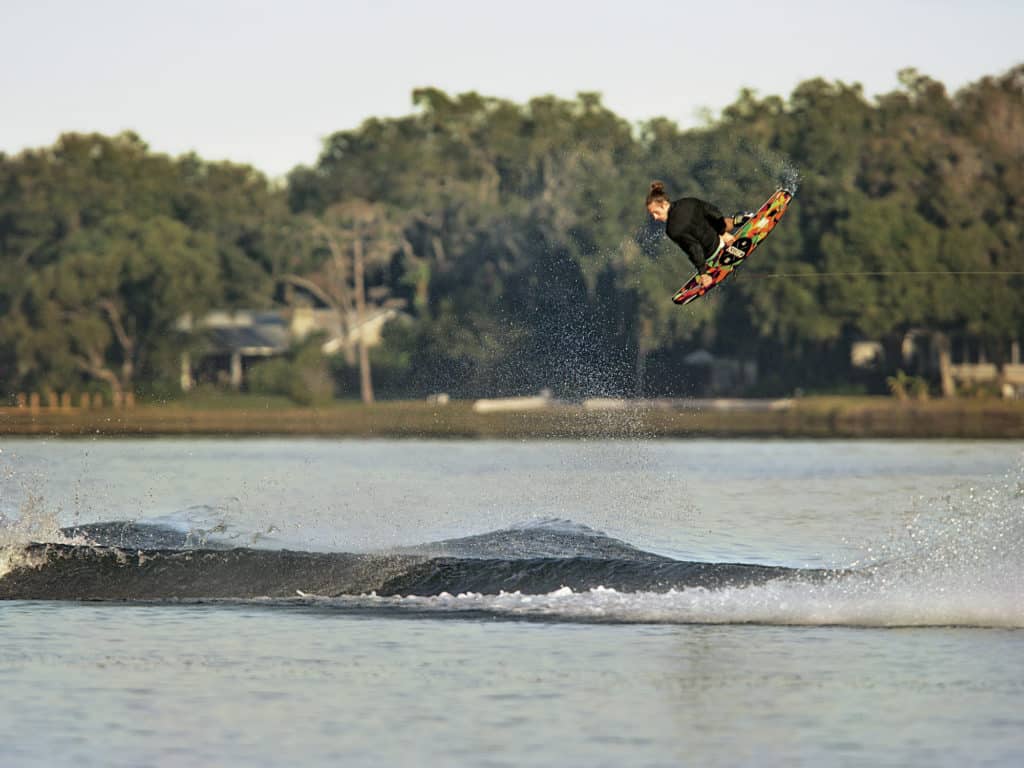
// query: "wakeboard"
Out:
[728,257]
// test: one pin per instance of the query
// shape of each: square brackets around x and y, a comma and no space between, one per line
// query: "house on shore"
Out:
[235,340]
[957,363]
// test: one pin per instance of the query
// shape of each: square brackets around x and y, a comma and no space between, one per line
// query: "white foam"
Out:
[13,557]
[850,602]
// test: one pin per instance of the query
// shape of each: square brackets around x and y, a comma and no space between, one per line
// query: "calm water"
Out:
[920,664]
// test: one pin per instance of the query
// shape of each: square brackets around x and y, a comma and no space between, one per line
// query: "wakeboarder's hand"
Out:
[728,239]
[704,280]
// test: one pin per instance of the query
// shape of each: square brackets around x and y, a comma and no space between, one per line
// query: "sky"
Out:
[264,82]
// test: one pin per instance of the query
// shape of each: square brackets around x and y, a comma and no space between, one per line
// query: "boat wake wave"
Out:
[105,562]
[552,570]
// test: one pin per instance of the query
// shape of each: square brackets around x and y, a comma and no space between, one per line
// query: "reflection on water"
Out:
[201,685]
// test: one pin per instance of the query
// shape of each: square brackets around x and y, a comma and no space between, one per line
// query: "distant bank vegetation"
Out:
[510,244]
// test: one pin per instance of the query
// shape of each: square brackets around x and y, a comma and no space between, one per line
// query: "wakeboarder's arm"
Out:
[695,253]
[716,218]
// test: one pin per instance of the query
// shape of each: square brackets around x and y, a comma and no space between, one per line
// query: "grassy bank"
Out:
[806,417]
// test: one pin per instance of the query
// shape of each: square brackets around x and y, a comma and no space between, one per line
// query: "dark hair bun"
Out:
[657,188]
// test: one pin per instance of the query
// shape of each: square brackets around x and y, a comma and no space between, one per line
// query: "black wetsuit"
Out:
[695,226]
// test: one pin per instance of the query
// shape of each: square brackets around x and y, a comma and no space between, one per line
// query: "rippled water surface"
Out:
[889,632]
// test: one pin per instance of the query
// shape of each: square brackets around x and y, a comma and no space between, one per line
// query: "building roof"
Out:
[269,336]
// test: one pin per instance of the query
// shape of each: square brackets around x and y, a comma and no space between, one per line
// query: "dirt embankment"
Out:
[805,417]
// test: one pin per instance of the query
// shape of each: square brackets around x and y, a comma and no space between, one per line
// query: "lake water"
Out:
[323,602]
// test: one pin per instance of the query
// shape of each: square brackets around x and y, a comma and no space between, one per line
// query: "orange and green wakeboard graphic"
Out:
[726,259]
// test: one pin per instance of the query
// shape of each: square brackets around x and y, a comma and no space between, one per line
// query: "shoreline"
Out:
[807,417]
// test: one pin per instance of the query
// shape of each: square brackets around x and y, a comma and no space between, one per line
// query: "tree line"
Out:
[516,239]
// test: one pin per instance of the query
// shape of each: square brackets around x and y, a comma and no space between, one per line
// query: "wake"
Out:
[960,567]
[533,560]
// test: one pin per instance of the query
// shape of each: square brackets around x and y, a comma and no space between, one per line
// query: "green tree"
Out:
[110,301]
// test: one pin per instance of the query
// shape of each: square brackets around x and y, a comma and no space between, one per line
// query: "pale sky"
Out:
[265,81]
